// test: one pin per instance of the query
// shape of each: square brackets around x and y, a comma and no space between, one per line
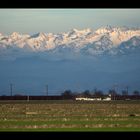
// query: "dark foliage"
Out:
[136,92]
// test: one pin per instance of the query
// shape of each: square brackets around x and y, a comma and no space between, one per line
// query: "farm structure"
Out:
[88,99]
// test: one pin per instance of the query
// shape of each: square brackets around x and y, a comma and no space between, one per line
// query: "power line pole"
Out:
[46,90]
[11,89]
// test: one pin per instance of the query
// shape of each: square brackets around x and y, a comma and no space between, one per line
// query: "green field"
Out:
[70,115]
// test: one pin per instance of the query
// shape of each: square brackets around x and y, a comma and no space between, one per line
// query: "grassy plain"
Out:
[68,115]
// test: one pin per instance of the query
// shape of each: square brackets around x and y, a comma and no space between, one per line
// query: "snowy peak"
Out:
[38,35]
[15,35]
[110,29]
[79,32]
[103,30]
[133,42]
[104,40]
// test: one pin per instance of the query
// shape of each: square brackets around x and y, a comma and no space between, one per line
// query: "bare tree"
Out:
[86,93]
[99,93]
[67,94]
[124,92]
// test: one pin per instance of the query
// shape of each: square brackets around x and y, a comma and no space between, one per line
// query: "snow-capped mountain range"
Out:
[76,60]
[110,40]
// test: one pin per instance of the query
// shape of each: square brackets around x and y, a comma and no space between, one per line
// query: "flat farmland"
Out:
[68,115]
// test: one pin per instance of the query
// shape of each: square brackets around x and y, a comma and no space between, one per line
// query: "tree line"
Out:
[99,93]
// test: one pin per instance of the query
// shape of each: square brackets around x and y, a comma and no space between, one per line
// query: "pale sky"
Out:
[62,20]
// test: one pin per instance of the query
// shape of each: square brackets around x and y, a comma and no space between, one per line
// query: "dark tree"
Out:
[124,92]
[136,92]
[99,93]
[67,94]
[3,95]
[112,92]
[86,93]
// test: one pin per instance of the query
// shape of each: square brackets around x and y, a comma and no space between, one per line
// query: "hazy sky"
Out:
[61,20]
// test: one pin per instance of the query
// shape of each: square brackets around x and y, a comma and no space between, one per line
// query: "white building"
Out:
[107,99]
[92,99]
[88,99]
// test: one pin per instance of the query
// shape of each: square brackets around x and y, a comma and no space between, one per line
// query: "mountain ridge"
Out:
[106,39]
